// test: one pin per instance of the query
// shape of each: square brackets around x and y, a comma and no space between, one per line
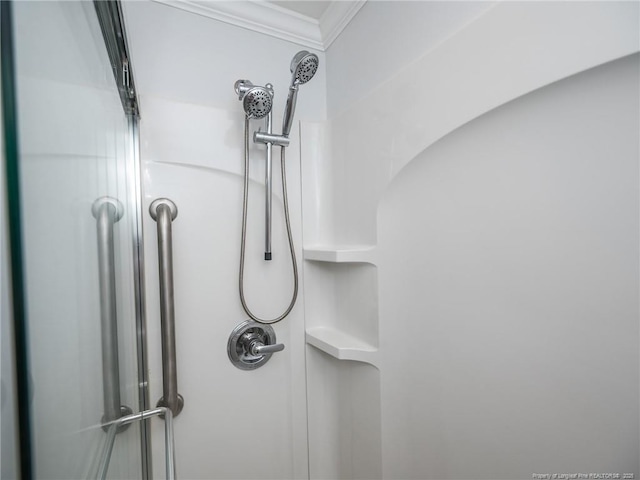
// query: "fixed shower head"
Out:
[256,101]
[303,67]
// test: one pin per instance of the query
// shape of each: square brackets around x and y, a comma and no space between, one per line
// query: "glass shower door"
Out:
[78,207]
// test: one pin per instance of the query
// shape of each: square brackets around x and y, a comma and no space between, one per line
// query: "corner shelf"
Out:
[341,345]
[350,254]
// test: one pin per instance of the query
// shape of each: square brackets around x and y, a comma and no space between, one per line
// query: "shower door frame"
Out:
[17,298]
[139,295]
[111,21]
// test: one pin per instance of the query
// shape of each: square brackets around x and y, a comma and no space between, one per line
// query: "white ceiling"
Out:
[310,23]
[309,8]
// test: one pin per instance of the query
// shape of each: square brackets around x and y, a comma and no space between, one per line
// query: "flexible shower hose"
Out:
[294,263]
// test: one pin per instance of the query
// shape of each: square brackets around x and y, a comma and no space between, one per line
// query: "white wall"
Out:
[503,241]
[384,37]
[235,424]
[512,49]
[517,315]
[193,59]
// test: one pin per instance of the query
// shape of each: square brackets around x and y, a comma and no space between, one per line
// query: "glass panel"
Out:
[74,146]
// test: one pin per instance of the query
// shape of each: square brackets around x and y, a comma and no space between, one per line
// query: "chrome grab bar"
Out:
[163,211]
[121,422]
[107,211]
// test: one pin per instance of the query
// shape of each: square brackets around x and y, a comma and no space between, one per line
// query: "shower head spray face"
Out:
[256,101]
[304,66]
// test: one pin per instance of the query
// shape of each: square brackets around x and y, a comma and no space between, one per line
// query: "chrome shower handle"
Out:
[259,348]
[164,211]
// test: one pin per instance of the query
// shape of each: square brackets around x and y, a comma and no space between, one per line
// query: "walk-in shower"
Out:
[489,216]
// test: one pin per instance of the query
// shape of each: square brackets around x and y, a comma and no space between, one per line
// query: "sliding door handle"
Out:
[164,211]
[120,423]
[107,211]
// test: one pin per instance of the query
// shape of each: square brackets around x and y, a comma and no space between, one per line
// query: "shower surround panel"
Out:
[225,408]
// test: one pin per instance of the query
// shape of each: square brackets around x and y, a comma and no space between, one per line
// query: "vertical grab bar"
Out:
[107,211]
[163,211]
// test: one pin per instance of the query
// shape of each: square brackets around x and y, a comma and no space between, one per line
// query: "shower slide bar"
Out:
[164,211]
[268,181]
[116,425]
[107,211]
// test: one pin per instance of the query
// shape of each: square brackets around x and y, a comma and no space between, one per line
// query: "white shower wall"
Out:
[512,49]
[383,38]
[235,423]
[520,247]
[489,240]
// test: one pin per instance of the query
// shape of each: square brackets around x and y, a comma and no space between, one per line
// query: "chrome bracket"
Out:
[272,138]
[118,208]
[251,345]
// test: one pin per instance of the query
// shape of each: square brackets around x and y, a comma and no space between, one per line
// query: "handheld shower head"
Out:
[303,67]
[256,101]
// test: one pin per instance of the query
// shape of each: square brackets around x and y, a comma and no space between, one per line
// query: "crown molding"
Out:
[336,18]
[273,20]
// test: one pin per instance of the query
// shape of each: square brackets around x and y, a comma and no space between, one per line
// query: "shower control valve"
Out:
[251,345]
